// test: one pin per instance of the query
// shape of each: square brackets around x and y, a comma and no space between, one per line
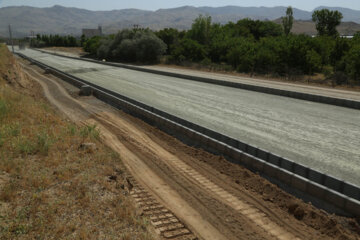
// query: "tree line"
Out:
[248,46]
[54,41]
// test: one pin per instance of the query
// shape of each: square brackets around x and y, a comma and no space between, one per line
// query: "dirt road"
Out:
[211,197]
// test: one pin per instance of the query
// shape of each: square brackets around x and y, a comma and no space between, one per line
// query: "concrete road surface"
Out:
[323,137]
[296,87]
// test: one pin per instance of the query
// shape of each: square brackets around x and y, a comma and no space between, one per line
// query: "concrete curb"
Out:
[342,197]
[273,91]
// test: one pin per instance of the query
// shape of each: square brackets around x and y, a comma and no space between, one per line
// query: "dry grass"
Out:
[54,189]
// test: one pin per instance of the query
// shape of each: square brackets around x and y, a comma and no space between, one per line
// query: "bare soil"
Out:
[215,199]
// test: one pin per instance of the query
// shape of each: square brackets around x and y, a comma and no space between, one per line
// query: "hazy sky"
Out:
[156,4]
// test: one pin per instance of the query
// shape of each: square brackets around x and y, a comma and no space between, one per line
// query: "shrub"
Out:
[132,46]
[242,57]
[191,50]
[90,131]
[313,60]
[43,143]
[352,61]
[91,45]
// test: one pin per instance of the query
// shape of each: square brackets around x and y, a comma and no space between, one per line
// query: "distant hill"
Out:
[62,20]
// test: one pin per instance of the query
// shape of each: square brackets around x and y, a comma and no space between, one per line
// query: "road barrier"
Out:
[273,91]
[322,190]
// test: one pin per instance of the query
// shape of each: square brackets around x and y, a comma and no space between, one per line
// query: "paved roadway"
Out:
[324,137]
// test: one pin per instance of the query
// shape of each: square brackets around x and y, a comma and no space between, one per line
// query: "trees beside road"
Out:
[249,46]
[253,46]
[54,41]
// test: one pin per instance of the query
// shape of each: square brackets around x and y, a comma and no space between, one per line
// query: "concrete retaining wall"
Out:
[285,93]
[337,194]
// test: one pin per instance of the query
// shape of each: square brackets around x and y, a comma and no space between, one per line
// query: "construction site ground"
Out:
[189,193]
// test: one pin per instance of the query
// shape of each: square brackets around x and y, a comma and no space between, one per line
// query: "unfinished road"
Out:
[320,136]
[188,193]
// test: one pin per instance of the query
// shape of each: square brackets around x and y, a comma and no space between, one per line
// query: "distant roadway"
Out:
[323,137]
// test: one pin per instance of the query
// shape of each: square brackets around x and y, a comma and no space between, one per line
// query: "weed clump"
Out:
[90,131]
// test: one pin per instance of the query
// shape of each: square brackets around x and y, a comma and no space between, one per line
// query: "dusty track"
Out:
[211,204]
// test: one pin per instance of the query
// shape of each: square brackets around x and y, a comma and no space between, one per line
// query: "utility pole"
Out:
[11,40]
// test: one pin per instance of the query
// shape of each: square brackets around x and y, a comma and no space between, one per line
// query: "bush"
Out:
[132,46]
[242,57]
[149,47]
[91,45]
[191,50]
[170,36]
[352,61]
[313,60]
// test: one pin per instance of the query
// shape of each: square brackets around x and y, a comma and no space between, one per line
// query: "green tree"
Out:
[170,36]
[136,45]
[91,45]
[257,29]
[200,30]
[288,21]
[313,60]
[189,49]
[242,56]
[326,21]
[352,61]
[82,40]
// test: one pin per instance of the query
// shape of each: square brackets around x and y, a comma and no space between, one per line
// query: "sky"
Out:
[157,4]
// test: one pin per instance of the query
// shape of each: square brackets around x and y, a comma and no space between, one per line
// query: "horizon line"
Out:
[55,5]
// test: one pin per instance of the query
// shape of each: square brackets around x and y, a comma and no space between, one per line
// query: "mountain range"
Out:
[63,20]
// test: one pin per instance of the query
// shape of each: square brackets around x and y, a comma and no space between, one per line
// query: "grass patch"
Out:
[43,143]
[90,131]
[25,146]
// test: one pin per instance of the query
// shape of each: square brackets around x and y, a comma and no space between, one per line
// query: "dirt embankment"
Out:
[57,179]
[206,192]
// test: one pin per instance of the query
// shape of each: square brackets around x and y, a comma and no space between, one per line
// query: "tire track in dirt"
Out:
[258,217]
